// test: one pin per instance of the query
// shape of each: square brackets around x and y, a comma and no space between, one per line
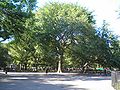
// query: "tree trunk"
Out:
[60,62]
[84,67]
[59,67]
[36,63]
[36,67]
[20,67]
[25,66]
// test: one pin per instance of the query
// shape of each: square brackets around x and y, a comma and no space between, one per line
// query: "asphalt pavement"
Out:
[53,81]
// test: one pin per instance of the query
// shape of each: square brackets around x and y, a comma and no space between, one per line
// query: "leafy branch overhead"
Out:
[13,14]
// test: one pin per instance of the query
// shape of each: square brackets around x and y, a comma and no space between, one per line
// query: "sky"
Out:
[102,10]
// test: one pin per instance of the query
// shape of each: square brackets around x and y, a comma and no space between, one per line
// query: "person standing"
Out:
[6,70]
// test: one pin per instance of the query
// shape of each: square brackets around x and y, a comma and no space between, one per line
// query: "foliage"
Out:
[13,14]
[61,24]
[61,33]
[13,17]
[96,48]
[5,58]
[107,44]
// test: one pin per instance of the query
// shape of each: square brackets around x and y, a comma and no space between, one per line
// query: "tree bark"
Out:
[25,66]
[59,67]
[60,61]
[84,67]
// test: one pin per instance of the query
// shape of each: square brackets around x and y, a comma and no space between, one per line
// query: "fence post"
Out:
[115,75]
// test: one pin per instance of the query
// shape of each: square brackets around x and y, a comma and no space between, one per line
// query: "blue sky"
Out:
[102,9]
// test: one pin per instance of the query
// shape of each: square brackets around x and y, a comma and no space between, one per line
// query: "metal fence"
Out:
[116,79]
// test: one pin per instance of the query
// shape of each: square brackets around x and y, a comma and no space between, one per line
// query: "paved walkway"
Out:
[53,81]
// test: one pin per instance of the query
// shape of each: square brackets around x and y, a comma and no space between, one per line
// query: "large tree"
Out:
[101,48]
[13,17]
[60,24]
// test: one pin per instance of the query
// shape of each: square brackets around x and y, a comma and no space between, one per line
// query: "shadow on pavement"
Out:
[6,84]
[41,82]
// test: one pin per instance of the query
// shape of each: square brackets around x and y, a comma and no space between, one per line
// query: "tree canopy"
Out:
[58,35]
[62,24]
[13,14]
